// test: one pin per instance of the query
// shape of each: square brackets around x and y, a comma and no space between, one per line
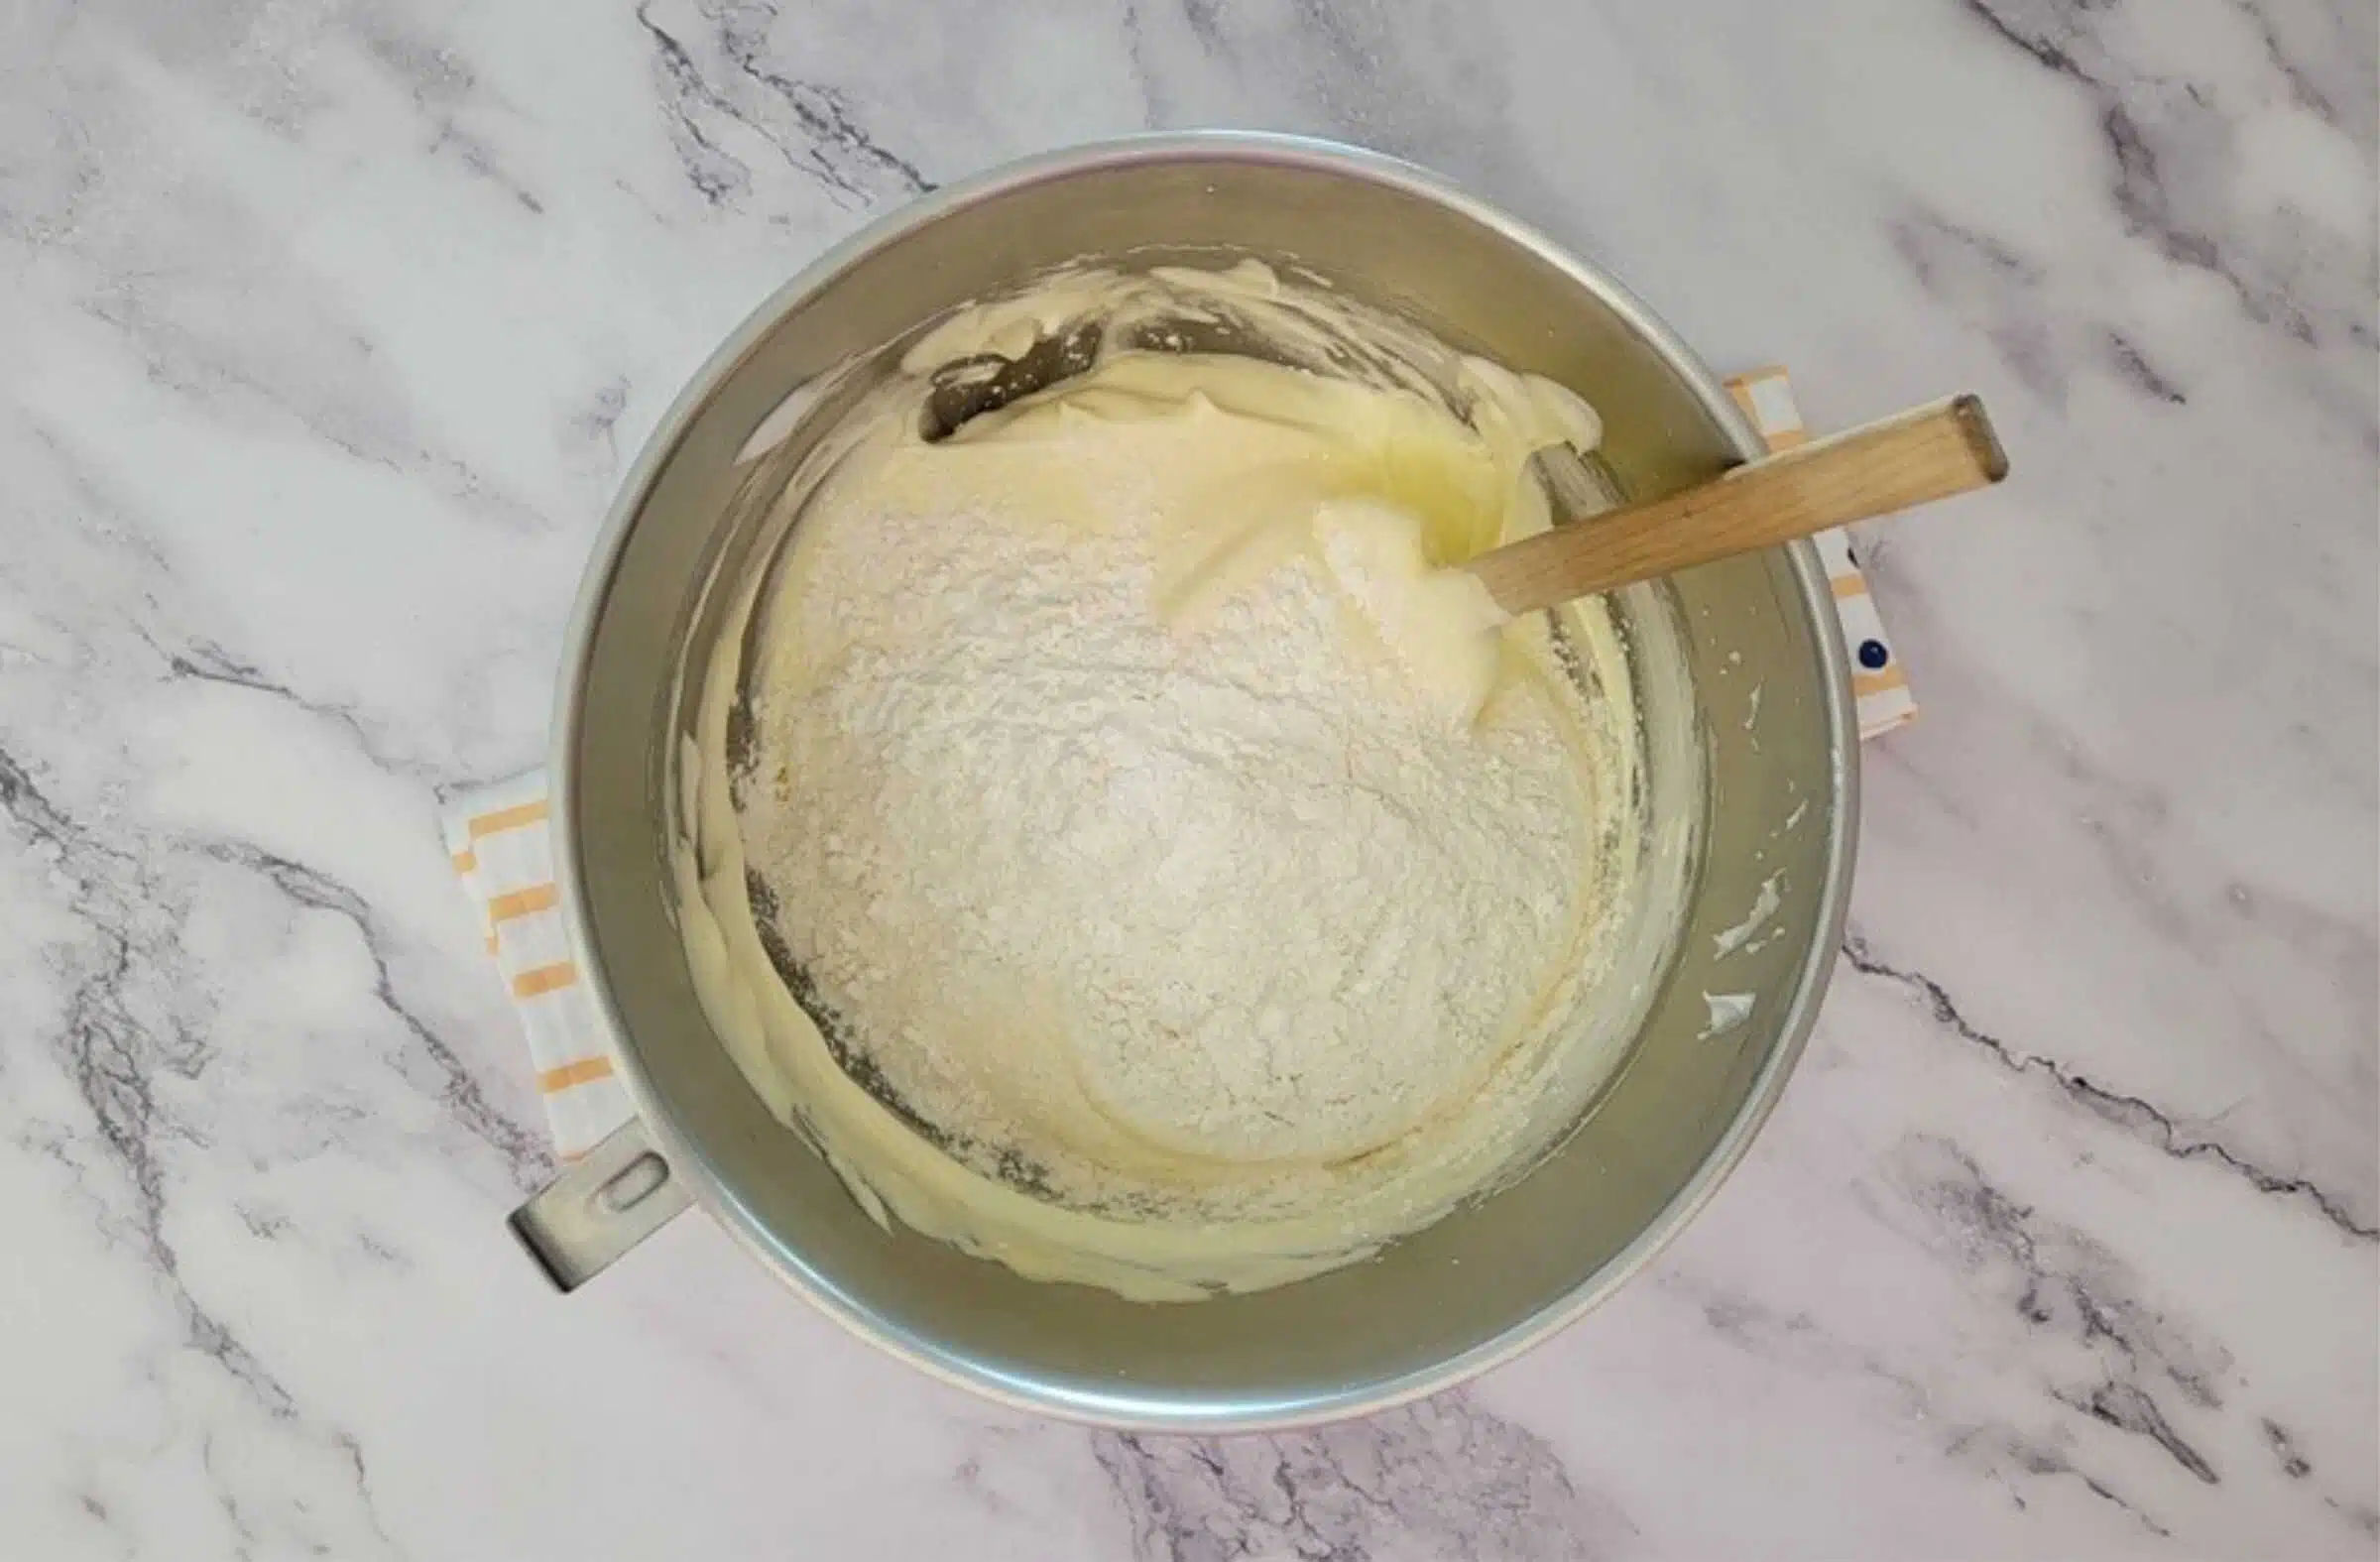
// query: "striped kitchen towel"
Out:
[1766,397]
[502,843]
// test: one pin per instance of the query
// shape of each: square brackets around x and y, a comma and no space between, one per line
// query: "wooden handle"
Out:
[1929,453]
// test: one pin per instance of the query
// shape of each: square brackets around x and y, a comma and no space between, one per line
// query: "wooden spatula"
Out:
[1917,456]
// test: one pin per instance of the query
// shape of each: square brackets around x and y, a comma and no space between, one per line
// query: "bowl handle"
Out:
[618,1194]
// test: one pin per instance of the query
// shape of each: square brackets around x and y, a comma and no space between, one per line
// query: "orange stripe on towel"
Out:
[544,979]
[522,903]
[510,818]
[1867,683]
[586,1071]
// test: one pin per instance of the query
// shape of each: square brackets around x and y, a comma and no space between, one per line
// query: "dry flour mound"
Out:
[1095,895]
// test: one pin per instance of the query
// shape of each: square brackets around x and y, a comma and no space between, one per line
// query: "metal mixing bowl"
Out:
[1773,718]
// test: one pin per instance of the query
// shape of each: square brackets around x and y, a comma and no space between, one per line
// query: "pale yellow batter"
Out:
[1248,1010]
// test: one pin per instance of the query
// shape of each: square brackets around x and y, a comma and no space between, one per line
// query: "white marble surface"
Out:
[326,331]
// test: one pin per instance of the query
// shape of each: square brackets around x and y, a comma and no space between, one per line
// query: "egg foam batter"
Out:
[1134,863]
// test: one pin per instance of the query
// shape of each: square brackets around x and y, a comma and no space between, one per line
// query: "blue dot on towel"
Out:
[1873,654]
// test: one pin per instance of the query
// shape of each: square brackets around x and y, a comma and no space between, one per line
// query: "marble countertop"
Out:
[325,334]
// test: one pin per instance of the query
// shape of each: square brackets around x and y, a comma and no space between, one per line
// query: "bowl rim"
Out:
[1125,1411]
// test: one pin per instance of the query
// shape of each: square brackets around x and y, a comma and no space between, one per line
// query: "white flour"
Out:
[1238,892]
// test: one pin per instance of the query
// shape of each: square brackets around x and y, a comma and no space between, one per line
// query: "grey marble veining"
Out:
[326,330]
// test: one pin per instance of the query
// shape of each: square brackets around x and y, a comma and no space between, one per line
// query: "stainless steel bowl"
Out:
[1776,726]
